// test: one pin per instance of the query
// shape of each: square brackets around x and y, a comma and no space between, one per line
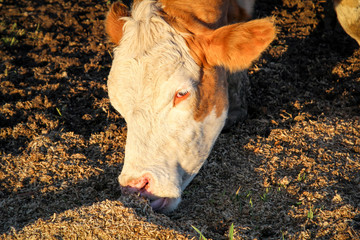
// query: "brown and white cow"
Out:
[168,80]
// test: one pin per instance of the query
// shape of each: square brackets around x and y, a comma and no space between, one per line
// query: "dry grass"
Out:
[102,220]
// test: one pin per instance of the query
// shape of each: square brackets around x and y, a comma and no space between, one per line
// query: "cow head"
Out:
[168,80]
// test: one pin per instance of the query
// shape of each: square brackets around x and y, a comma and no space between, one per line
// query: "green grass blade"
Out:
[231,232]
[201,237]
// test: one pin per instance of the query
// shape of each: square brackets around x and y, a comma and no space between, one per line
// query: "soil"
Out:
[290,171]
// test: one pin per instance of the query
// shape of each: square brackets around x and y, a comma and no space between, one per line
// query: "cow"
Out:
[348,14]
[168,80]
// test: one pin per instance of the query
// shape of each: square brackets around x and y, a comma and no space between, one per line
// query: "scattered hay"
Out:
[102,220]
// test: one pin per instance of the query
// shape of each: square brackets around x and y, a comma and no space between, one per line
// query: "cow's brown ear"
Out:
[236,46]
[113,23]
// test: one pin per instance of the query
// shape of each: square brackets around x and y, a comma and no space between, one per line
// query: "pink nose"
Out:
[144,185]
[140,185]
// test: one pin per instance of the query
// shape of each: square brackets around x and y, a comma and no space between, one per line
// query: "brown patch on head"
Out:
[212,93]
[209,13]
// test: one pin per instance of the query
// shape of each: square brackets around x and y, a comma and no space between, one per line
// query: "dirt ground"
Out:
[290,171]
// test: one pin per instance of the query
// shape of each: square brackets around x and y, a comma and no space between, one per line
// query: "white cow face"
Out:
[174,107]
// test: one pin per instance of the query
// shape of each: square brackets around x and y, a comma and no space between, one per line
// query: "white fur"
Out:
[151,63]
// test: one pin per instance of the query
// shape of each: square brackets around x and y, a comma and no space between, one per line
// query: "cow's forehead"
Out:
[156,67]
[151,41]
[152,59]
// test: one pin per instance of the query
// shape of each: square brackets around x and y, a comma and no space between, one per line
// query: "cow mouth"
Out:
[156,203]
[159,204]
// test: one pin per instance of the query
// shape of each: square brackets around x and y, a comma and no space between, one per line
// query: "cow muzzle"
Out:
[163,195]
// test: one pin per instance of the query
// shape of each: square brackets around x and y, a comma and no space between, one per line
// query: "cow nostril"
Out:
[139,185]
[145,187]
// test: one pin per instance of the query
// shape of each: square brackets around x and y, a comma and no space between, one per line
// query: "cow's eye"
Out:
[180,96]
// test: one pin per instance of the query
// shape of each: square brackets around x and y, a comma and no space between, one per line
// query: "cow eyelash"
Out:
[180,94]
